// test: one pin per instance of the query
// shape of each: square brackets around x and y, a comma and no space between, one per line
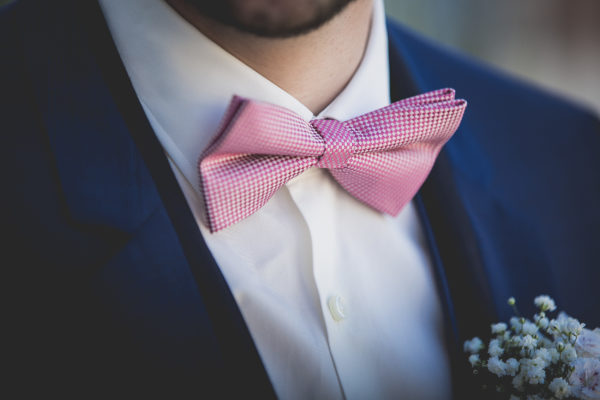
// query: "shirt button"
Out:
[336,308]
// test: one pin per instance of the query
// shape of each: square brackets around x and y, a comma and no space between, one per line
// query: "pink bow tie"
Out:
[381,158]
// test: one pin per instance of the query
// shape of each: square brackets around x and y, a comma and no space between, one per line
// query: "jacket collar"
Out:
[458,264]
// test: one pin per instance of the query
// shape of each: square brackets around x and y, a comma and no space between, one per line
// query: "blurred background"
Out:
[553,43]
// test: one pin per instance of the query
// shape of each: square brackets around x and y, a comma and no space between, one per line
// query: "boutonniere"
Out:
[538,359]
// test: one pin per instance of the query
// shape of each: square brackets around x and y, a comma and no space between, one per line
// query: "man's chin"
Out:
[270,18]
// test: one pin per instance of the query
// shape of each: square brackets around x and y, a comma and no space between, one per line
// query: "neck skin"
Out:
[314,67]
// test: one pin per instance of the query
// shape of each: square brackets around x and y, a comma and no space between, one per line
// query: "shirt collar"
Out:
[185,81]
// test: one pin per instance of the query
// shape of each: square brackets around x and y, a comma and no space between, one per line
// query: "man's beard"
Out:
[271,18]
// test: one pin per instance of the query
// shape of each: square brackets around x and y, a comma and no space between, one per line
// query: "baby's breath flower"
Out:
[574,326]
[494,349]
[538,362]
[569,354]
[529,342]
[473,346]
[529,328]
[499,328]
[533,370]
[570,327]
[544,354]
[559,387]
[559,359]
[554,327]
[511,301]
[518,381]
[542,323]
[474,359]
[554,355]
[512,366]
[496,366]
[545,303]
[516,324]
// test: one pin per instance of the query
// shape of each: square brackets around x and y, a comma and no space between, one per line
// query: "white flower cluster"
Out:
[540,359]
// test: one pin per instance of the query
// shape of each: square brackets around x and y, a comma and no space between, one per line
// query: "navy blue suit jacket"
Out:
[110,284]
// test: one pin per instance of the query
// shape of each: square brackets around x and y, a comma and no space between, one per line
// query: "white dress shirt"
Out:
[339,299]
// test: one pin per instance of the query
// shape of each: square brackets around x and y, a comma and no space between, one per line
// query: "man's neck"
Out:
[314,68]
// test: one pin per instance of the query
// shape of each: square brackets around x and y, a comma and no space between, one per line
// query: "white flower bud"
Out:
[474,359]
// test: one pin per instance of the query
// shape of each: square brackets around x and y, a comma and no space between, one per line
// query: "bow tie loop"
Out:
[340,142]
[258,128]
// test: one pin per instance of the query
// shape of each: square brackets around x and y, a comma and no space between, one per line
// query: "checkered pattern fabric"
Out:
[382,158]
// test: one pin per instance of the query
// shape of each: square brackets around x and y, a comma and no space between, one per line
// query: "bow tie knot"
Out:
[339,143]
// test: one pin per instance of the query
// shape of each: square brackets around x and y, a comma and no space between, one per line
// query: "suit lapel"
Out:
[488,241]
[483,235]
[455,256]
[117,180]
[444,209]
